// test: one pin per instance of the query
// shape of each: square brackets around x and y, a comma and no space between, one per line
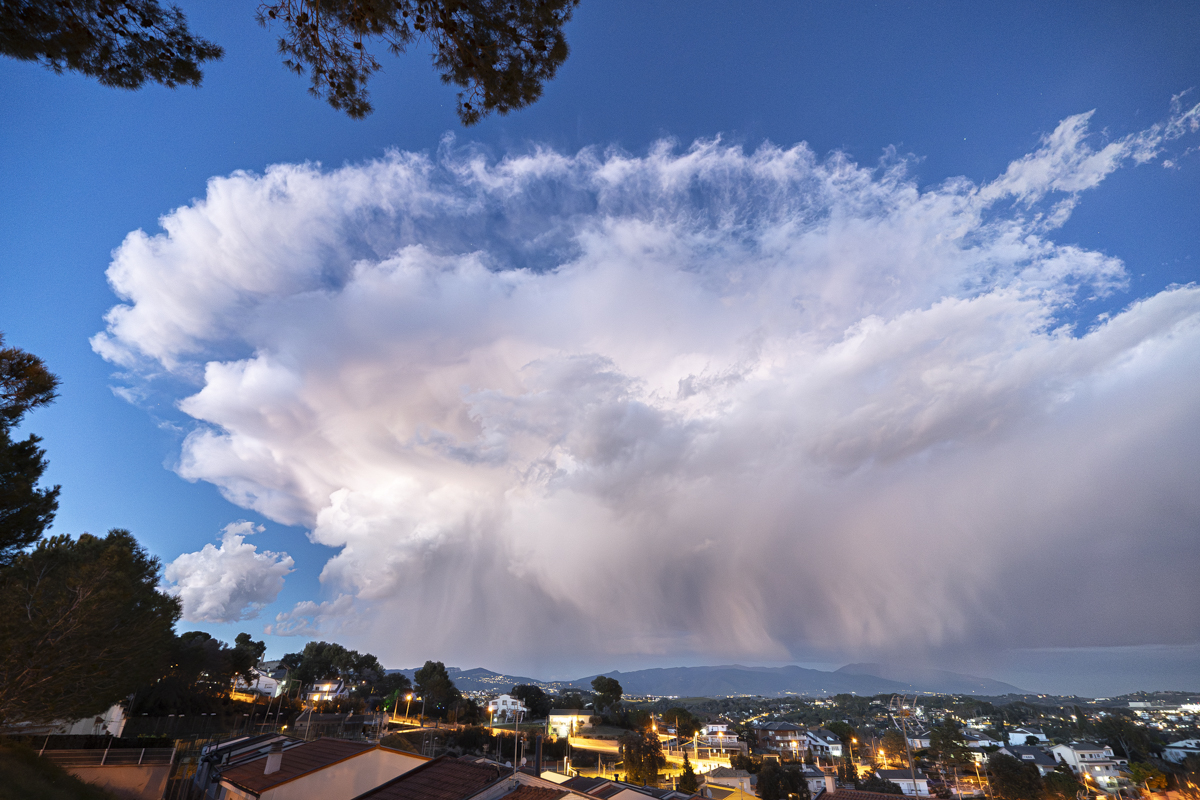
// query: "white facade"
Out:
[506,708]
[825,743]
[326,690]
[904,779]
[1092,762]
[567,722]
[1178,751]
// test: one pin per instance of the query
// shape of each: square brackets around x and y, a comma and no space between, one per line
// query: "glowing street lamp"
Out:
[408,705]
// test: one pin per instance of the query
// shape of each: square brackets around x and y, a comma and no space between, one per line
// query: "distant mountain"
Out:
[933,680]
[483,680]
[737,679]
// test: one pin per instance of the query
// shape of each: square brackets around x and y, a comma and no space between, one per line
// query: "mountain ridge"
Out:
[726,680]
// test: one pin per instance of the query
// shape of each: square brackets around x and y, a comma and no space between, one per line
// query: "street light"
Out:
[407,706]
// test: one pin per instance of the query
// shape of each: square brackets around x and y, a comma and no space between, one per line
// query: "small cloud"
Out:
[314,619]
[228,583]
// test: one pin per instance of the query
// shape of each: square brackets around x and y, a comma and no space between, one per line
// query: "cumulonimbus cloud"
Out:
[709,401]
[227,583]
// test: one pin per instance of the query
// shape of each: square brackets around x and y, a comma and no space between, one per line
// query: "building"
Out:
[1094,763]
[506,708]
[921,740]
[824,743]
[913,784]
[732,778]
[785,738]
[330,689]
[327,769]
[977,740]
[1176,752]
[565,722]
[1029,754]
[1021,735]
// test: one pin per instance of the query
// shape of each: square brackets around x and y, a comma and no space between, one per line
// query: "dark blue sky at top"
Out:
[964,87]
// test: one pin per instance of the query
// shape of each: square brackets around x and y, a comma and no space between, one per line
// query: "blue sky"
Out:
[959,89]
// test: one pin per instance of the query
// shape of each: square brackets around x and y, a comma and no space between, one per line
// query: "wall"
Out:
[129,782]
[347,779]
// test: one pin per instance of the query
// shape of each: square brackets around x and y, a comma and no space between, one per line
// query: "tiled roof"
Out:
[443,778]
[855,794]
[535,793]
[296,761]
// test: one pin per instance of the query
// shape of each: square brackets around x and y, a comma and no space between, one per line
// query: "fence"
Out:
[117,757]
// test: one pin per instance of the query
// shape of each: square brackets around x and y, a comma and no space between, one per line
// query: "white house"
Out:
[824,742]
[1178,751]
[568,721]
[506,708]
[977,739]
[330,689]
[260,682]
[733,778]
[920,740]
[905,780]
[327,769]
[1021,735]
[1092,762]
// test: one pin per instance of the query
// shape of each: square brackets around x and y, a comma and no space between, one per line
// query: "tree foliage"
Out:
[607,693]
[435,687]
[25,510]
[121,43]
[682,721]
[500,52]
[1148,775]
[880,786]
[777,783]
[536,700]
[688,780]
[83,626]
[1061,784]
[1013,779]
[643,756]
[895,745]
[320,661]
[199,673]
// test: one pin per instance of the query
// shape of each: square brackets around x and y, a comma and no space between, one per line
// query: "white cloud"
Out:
[714,402]
[227,583]
[309,618]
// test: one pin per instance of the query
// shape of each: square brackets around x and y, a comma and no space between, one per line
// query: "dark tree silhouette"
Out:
[25,510]
[121,43]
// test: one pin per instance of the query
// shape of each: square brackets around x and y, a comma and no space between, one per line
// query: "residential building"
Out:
[569,721]
[445,778]
[506,708]
[1029,754]
[327,769]
[1092,762]
[824,743]
[920,740]
[785,738]
[1022,734]
[329,689]
[733,778]
[1178,751]
[914,784]
[977,740]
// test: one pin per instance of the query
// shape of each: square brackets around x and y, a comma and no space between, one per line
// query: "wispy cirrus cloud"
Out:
[702,402]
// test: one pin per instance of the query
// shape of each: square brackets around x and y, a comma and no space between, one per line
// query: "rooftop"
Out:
[443,778]
[296,761]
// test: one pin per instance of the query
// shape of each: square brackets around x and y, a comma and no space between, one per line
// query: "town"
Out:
[332,723]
